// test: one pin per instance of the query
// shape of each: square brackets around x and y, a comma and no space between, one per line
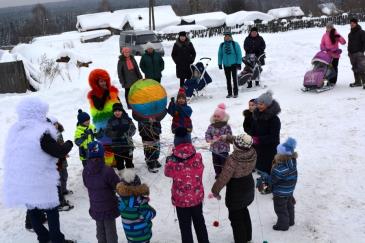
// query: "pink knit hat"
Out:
[220,112]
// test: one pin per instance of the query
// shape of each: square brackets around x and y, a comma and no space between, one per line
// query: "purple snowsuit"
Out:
[101,181]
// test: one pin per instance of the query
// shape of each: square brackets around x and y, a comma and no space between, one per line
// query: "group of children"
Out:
[185,167]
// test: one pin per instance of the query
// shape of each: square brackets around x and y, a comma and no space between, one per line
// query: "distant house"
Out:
[329,8]
[208,20]
[247,18]
[290,12]
[127,19]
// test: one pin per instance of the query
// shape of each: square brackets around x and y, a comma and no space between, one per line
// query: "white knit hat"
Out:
[148,46]
[243,141]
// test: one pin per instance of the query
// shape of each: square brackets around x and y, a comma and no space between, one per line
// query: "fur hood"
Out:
[125,191]
[32,108]
[271,111]
[94,76]
[281,158]
[244,156]
[224,121]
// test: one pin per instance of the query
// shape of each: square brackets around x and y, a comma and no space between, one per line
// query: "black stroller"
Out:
[199,80]
[252,70]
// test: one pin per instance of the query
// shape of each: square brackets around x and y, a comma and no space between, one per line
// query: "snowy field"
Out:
[329,128]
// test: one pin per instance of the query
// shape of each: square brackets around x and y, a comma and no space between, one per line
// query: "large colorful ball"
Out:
[148,99]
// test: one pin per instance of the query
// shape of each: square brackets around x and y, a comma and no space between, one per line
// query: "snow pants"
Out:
[106,231]
[241,225]
[284,209]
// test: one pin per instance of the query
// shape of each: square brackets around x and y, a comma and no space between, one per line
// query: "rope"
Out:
[258,213]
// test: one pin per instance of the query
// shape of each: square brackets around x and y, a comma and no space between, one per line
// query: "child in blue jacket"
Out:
[283,179]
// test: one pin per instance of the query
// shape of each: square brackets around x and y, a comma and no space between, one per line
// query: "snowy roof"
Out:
[177,28]
[286,12]
[73,35]
[137,18]
[328,8]
[243,17]
[213,19]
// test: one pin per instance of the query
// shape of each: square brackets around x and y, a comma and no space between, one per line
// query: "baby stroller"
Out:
[322,71]
[200,78]
[252,70]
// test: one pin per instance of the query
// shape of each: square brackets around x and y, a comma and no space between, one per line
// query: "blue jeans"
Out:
[54,234]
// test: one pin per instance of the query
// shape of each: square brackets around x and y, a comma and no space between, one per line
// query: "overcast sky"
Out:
[11,3]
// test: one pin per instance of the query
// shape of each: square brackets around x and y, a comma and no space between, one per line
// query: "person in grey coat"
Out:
[356,49]
[128,71]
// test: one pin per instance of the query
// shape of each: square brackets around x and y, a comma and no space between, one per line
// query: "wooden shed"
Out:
[13,78]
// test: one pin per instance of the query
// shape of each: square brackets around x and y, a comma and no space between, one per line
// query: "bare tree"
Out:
[194,6]
[104,6]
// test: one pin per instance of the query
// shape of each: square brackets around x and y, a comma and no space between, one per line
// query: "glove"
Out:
[69,143]
[172,99]
[238,66]
[256,140]
[220,66]
[89,132]
[223,138]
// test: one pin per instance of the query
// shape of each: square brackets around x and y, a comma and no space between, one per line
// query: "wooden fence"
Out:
[277,25]
[12,78]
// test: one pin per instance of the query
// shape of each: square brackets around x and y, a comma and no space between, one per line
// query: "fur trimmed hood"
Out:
[96,90]
[281,158]
[32,108]
[271,111]
[125,191]
[223,122]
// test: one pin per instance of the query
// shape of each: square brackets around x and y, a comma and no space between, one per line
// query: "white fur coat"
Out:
[30,174]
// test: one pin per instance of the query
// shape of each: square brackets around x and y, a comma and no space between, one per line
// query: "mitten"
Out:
[255,140]
[238,66]
[220,66]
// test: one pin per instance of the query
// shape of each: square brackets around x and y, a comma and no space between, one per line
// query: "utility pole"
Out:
[151,13]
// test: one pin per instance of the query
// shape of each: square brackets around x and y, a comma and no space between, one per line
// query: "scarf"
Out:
[129,62]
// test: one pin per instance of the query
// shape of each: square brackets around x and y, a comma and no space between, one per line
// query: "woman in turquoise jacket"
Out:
[230,58]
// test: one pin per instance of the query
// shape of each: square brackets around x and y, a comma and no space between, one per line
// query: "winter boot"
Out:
[257,83]
[357,82]
[151,167]
[229,96]
[249,84]
[157,164]
[28,223]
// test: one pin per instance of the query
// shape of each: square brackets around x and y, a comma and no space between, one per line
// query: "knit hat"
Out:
[117,107]
[266,98]
[181,94]
[148,46]
[130,178]
[354,20]
[220,112]
[228,32]
[254,29]
[288,147]
[182,33]
[243,141]
[95,150]
[82,117]
[330,25]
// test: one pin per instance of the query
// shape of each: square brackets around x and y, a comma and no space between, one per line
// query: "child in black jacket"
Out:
[120,129]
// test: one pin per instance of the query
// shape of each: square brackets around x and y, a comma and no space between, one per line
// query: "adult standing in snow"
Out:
[102,97]
[255,44]
[183,54]
[230,58]
[329,43]
[152,63]
[30,168]
[356,49]
[128,71]
[265,130]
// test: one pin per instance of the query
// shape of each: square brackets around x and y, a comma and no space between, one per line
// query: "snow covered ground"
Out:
[329,128]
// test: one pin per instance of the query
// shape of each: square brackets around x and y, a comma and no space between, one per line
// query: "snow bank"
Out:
[177,28]
[246,17]
[213,19]
[279,13]
[137,19]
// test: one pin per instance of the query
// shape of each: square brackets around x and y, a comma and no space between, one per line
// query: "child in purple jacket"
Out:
[101,181]
[219,126]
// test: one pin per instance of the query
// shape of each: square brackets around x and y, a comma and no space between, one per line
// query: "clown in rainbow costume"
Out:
[101,97]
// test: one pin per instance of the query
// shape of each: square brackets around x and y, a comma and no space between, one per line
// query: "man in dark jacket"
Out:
[183,54]
[255,44]
[152,63]
[356,49]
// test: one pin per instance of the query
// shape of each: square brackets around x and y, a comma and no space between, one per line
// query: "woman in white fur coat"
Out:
[30,171]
